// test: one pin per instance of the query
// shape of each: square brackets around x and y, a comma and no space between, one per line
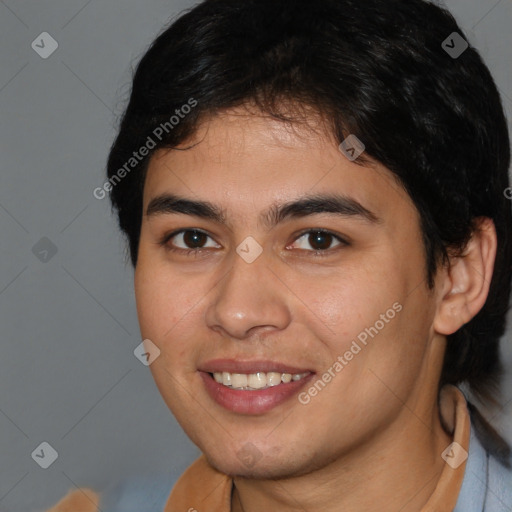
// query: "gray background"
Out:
[68,375]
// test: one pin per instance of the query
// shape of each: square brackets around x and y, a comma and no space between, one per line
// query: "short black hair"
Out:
[377,69]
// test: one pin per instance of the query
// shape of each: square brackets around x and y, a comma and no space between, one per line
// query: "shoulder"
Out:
[80,500]
[134,494]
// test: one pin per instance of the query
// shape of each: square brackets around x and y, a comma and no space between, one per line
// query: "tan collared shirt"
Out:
[203,488]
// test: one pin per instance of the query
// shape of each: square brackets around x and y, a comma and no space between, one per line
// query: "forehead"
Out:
[244,161]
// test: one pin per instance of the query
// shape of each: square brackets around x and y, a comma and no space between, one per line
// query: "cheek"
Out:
[168,309]
[147,293]
[346,302]
[159,303]
[371,317]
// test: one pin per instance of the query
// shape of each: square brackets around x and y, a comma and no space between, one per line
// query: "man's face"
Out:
[307,302]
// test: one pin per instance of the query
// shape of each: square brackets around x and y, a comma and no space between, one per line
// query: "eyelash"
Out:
[164,241]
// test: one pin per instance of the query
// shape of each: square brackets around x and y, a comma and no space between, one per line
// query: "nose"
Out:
[249,299]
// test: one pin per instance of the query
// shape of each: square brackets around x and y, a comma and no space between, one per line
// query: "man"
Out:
[313,195]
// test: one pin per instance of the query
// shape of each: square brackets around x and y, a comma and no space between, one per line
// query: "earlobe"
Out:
[467,279]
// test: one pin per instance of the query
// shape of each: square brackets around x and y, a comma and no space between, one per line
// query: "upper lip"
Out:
[239,366]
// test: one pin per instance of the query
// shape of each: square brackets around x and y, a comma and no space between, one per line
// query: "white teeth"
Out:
[226,378]
[239,380]
[259,380]
[273,379]
[286,377]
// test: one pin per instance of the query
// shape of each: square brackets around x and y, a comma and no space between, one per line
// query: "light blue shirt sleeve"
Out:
[487,484]
[138,494]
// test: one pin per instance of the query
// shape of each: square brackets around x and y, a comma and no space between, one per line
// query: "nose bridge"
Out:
[248,296]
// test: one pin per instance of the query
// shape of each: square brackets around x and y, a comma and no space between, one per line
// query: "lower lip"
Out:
[252,402]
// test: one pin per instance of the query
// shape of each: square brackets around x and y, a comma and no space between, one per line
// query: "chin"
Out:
[264,468]
[237,469]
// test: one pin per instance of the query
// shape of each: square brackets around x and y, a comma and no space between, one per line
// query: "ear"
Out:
[464,284]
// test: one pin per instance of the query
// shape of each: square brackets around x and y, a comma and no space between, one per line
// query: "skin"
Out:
[377,422]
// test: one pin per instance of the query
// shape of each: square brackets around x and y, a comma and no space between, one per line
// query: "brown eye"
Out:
[318,241]
[189,240]
[194,239]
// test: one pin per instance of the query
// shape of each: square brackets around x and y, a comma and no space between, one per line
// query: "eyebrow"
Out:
[337,204]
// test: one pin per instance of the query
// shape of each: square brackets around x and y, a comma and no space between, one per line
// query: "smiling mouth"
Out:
[255,381]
